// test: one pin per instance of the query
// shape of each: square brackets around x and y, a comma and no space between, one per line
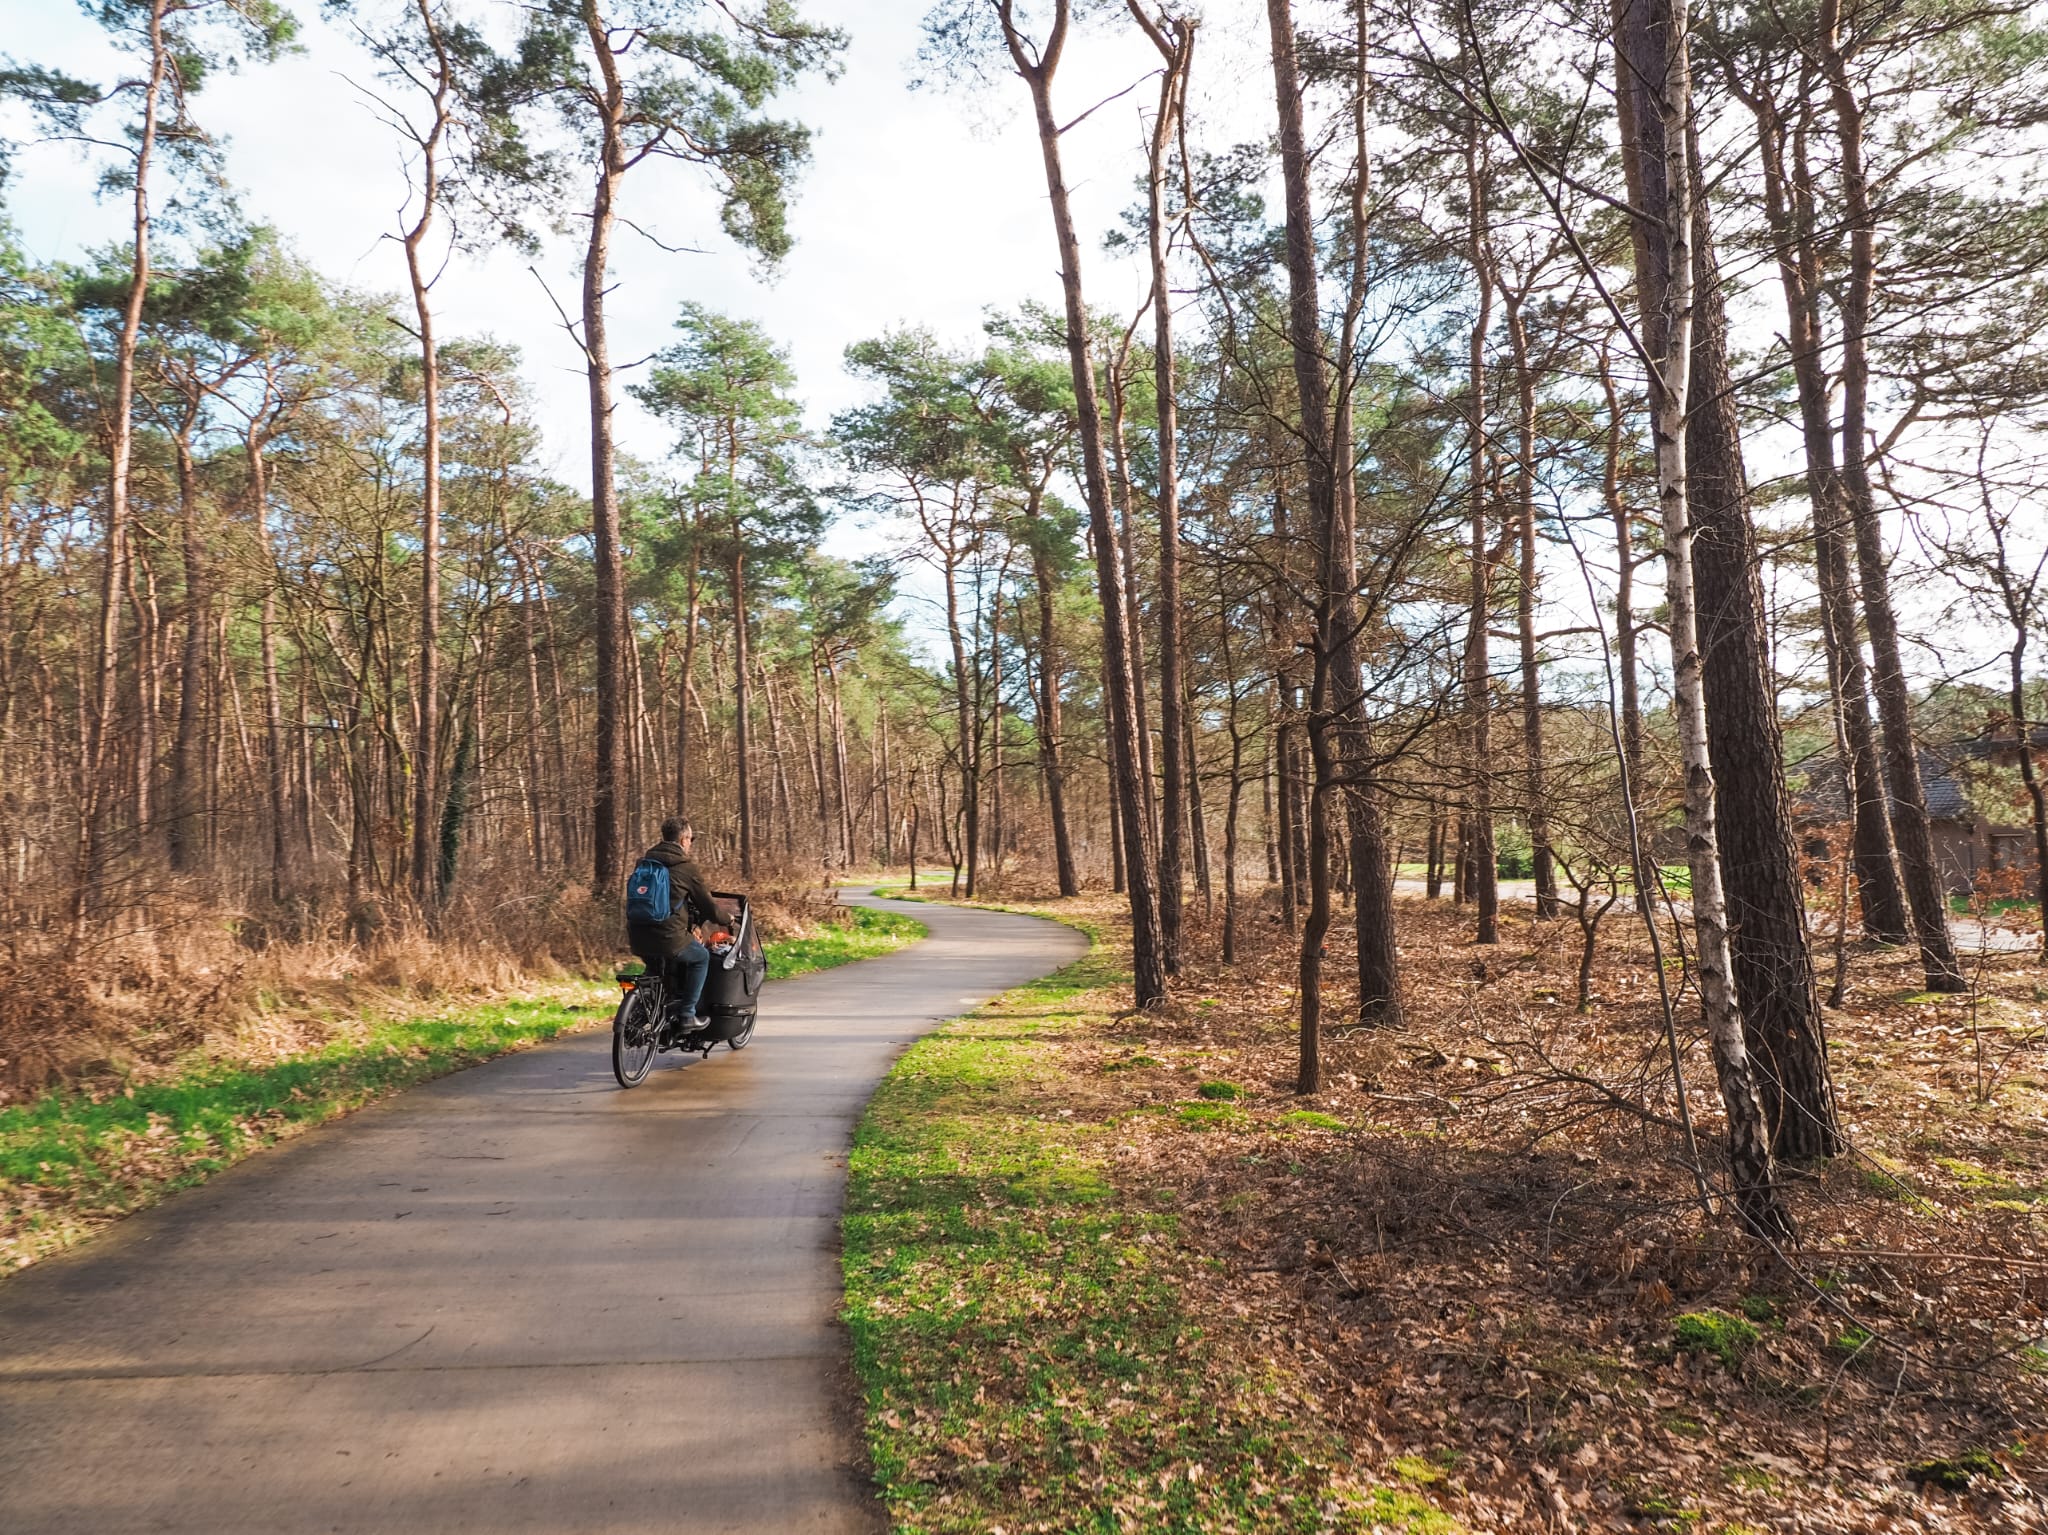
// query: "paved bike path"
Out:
[516,1299]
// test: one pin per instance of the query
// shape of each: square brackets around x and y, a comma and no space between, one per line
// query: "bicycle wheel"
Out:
[636,1031]
[743,1034]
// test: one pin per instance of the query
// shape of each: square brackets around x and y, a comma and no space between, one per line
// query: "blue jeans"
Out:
[687,968]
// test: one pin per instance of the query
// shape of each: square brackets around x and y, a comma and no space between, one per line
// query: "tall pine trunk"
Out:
[427,886]
[1051,765]
[1330,591]
[1925,895]
[1371,872]
[1175,41]
[1655,106]
[1759,854]
[114,549]
[605,830]
[185,825]
[1790,209]
[1485,875]
[1132,793]
[1535,784]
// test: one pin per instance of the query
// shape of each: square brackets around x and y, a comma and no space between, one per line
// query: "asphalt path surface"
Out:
[517,1299]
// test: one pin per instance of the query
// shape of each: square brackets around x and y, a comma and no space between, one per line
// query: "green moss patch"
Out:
[1210,1116]
[1311,1119]
[1726,1338]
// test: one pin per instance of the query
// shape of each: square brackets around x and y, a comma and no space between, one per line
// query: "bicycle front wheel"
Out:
[636,1031]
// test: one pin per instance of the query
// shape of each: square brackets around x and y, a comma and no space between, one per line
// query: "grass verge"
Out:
[72,1161]
[866,935]
[1021,1328]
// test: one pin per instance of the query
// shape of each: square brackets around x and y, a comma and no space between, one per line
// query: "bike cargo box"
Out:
[732,986]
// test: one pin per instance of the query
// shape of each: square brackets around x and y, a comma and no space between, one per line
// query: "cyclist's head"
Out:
[675,829]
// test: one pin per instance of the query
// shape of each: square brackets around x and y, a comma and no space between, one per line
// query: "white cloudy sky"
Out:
[920,206]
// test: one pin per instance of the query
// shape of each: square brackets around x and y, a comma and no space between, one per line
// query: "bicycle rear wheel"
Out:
[636,1032]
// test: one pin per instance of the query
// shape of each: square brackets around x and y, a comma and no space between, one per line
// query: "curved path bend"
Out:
[516,1299]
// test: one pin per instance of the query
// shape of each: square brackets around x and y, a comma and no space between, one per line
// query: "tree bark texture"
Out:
[609,569]
[1925,895]
[1175,41]
[1654,89]
[1133,795]
[1790,209]
[1759,853]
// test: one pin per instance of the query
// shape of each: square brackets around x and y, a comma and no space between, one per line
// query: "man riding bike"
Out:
[670,945]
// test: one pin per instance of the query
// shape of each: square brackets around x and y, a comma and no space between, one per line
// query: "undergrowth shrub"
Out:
[180,969]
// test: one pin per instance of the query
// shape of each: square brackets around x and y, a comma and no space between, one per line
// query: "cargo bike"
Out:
[647,1024]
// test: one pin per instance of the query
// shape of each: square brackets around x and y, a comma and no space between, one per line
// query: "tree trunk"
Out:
[184,826]
[1133,794]
[1267,822]
[965,722]
[1645,875]
[742,745]
[1371,875]
[274,766]
[2037,795]
[1141,692]
[455,813]
[114,553]
[1655,106]
[884,778]
[1922,875]
[558,738]
[1049,742]
[536,826]
[610,616]
[148,688]
[1759,855]
[1304,328]
[684,683]
[1789,208]
[1485,874]
[1198,824]
[995,730]
[426,752]
[839,769]
[820,788]
[1536,789]
[1175,43]
[1288,790]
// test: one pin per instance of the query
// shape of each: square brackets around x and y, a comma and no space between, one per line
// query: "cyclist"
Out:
[671,945]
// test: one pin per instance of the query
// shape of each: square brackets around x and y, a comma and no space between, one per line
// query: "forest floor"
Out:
[1108,1271]
[76,1158]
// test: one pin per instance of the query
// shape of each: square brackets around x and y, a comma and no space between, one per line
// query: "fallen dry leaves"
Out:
[1476,1260]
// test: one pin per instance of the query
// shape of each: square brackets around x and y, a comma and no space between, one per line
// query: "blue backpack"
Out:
[648,898]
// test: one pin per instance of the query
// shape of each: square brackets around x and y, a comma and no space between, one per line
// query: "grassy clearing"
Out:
[1021,1331]
[865,935]
[71,1161]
